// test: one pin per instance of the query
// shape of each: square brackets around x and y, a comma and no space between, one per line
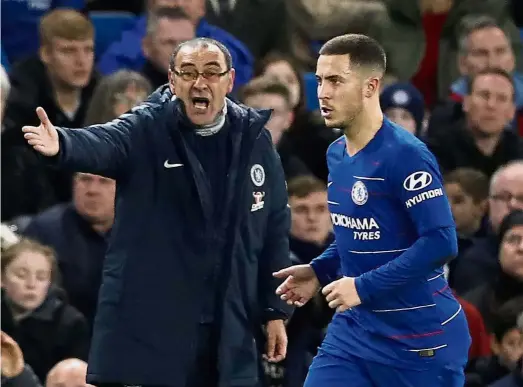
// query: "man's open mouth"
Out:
[200,103]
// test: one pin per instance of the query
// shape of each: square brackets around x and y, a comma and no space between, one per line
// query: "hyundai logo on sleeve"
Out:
[417,180]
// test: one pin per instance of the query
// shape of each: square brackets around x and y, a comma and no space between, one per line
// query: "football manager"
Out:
[201,224]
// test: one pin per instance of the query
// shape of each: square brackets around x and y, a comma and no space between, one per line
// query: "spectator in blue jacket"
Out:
[202,223]
[127,53]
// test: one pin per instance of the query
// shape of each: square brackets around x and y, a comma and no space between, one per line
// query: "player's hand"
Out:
[276,341]
[300,284]
[43,138]
[342,294]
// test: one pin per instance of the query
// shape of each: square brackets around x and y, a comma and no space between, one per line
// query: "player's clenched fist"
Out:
[342,294]
[300,284]
[43,138]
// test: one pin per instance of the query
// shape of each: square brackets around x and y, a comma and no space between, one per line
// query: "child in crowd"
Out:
[34,311]
[467,190]
[506,344]
[403,104]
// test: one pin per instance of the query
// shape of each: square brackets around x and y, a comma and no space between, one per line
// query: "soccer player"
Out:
[398,324]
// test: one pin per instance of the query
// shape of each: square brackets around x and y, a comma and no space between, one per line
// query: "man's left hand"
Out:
[342,294]
[276,341]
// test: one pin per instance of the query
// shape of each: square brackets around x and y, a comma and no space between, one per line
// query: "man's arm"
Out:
[102,149]
[418,184]
[327,265]
[275,254]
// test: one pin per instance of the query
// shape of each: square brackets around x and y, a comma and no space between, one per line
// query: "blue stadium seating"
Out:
[311,93]
[108,27]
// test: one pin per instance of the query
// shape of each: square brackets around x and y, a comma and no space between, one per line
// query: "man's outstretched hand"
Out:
[43,138]
[300,284]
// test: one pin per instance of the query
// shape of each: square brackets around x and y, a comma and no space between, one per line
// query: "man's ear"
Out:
[146,46]
[372,86]
[232,75]
[172,81]
[44,54]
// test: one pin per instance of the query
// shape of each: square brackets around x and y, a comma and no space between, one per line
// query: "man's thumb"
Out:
[42,115]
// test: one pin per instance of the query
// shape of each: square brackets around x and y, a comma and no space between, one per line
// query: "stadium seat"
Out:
[108,27]
[311,94]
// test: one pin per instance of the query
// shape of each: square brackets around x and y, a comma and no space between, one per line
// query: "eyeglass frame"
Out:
[506,197]
[200,73]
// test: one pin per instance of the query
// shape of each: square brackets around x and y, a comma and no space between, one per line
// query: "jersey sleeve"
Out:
[416,181]
[327,265]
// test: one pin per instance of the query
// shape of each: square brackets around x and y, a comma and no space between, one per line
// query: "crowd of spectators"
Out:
[454,79]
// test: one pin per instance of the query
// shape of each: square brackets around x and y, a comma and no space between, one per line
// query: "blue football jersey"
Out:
[386,201]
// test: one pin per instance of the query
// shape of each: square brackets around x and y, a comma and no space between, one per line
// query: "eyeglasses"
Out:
[192,75]
[507,197]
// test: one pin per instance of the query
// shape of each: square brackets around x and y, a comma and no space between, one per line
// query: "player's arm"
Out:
[430,213]
[327,265]
[275,253]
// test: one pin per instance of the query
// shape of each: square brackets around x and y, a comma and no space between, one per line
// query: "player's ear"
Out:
[372,86]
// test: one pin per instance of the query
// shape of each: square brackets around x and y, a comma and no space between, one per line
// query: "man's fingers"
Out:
[30,129]
[335,303]
[331,296]
[42,115]
[271,345]
[327,289]
[284,273]
[285,287]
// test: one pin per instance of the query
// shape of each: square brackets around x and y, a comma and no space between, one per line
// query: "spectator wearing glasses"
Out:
[477,265]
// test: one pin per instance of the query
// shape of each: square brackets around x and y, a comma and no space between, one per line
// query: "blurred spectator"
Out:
[482,45]
[116,94]
[313,22]
[20,21]
[78,232]
[166,28]
[508,284]
[7,237]
[68,373]
[480,262]
[421,40]
[467,190]
[61,80]
[127,53]
[269,93]
[311,233]
[307,138]
[5,87]
[262,25]
[403,104]
[480,340]
[480,141]
[15,372]
[506,343]
[34,311]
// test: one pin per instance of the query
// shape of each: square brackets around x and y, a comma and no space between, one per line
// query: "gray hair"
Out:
[473,23]
[502,169]
[5,85]
[106,93]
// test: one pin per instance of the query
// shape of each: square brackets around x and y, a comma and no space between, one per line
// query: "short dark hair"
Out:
[506,317]
[362,50]
[265,85]
[473,23]
[303,186]
[172,13]
[473,182]
[203,42]
[491,71]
